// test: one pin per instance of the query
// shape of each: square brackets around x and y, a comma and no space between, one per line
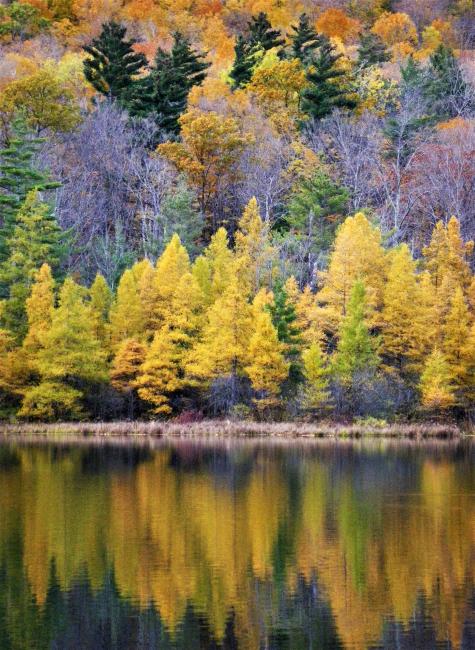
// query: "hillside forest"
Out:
[238,208]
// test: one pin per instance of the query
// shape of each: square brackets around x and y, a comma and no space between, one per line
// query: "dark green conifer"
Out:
[36,239]
[17,178]
[262,35]
[305,40]
[113,66]
[284,319]
[372,51]
[164,92]
[244,61]
[327,88]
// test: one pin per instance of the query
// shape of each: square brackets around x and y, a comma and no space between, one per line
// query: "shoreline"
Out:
[225,429]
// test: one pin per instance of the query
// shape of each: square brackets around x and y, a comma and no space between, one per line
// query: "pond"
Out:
[249,545]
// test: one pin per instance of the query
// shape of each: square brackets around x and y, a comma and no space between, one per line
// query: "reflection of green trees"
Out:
[270,546]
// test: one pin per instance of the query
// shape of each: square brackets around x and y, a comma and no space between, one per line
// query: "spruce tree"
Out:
[356,350]
[284,319]
[244,62]
[262,35]
[164,92]
[305,40]
[327,88]
[35,239]
[113,66]
[445,87]
[17,178]
[371,51]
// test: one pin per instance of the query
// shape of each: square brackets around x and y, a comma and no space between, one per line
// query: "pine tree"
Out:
[327,88]
[445,87]
[113,66]
[159,375]
[35,238]
[101,303]
[284,319]
[315,390]
[261,33]
[305,40]
[267,369]
[70,362]
[356,349]
[126,369]
[371,51]
[39,310]
[437,391]
[164,92]
[245,59]
[17,178]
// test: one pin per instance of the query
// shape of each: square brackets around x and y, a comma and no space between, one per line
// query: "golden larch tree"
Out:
[268,368]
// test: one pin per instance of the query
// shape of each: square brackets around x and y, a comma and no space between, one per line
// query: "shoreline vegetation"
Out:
[227,429]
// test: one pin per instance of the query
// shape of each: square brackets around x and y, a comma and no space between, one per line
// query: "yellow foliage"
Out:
[393,28]
[357,255]
[437,392]
[268,368]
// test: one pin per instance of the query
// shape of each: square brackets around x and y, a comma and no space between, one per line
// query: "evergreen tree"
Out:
[371,51]
[36,238]
[445,87]
[164,92]
[356,349]
[262,35]
[113,66]
[267,369]
[314,212]
[245,57]
[17,178]
[327,87]
[315,390]
[284,319]
[305,40]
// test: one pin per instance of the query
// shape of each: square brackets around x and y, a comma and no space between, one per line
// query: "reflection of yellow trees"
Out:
[176,538]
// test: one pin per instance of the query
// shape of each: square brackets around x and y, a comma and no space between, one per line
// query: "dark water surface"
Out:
[237,545]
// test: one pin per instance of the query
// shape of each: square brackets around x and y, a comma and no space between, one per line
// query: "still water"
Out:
[237,545]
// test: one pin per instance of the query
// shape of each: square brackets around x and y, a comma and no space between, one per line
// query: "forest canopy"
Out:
[237,208]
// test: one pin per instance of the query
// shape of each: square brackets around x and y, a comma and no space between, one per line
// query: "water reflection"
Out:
[318,546]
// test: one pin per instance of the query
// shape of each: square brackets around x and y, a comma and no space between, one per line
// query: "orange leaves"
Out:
[335,23]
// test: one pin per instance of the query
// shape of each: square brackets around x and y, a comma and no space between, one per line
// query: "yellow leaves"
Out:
[437,393]
[277,85]
[254,253]
[394,28]
[158,377]
[357,255]
[45,101]
[211,145]
[268,368]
